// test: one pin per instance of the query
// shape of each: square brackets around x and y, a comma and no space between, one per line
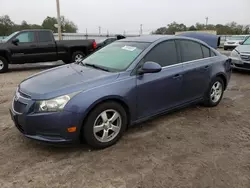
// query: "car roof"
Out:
[148,38]
[154,38]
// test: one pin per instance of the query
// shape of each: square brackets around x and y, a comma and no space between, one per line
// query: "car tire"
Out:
[98,128]
[215,92]
[225,48]
[4,65]
[77,56]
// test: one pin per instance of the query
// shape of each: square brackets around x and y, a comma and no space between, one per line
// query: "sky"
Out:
[117,16]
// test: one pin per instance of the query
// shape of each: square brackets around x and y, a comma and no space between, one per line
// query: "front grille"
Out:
[245,57]
[19,107]
[22,94]
[230,42]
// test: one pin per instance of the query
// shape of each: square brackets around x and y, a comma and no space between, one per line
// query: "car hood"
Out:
[243,48]
[235,41]
[64,80]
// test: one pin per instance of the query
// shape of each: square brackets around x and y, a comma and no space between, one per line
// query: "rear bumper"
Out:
[49,127]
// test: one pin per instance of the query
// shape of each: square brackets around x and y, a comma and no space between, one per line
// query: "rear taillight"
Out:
[94,45]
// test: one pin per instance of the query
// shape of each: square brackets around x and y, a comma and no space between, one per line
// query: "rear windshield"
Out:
[117,56]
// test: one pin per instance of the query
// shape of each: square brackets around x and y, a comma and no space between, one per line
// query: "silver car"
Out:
[241,56]
[234,41]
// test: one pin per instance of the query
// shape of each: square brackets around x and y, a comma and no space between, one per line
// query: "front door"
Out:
[25,50]
[157,92]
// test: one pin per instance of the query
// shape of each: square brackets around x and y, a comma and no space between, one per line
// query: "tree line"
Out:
[7,26]
[228,29]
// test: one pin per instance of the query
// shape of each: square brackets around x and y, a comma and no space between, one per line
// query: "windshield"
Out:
[117,56]
[247,42]
[9,37]
[236,38]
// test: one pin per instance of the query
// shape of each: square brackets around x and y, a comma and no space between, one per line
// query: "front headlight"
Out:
[235,54]
[53,105]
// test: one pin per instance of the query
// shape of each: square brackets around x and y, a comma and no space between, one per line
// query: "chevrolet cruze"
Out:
[126,82]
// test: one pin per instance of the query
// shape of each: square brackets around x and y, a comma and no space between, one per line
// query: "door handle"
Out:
[206,67]
[177,76]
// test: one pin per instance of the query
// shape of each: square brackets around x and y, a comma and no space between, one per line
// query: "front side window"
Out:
[117,56]
[164,53]
[190,50]
[26,37]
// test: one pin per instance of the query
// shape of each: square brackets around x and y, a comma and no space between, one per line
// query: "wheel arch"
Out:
[116,99]
[224,78]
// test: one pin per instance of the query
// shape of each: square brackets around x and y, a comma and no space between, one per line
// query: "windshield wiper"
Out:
[96,66]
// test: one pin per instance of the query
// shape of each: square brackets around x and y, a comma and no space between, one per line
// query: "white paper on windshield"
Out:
[129,48]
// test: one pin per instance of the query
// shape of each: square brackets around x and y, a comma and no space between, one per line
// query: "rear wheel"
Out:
[215,92]
[4,65]
[105,125]
[77,56]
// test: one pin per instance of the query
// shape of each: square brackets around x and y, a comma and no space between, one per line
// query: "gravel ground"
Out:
[195,147]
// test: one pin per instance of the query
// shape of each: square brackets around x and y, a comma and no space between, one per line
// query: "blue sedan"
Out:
[126,82]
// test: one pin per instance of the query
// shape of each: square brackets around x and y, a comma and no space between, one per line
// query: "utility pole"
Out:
[100,30]
[206,21]
[124,33]
[58,20]
[141,29]
[86,33]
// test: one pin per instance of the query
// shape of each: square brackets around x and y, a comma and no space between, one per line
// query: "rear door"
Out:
[197,65]
[47,50]
[25,50]
[157,92]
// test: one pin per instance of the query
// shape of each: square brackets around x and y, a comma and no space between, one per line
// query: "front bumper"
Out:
[240,64]
[48,127]
[230,46]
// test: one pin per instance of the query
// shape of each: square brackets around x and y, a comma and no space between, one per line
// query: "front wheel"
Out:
[3,65]
[105,125]
[215,92]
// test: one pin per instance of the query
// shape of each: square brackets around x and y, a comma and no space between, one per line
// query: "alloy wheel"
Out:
[216,92]
[107,125]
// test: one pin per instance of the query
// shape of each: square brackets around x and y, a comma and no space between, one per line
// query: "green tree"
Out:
[49,23]
[6,25]
[192,28]
[66,25]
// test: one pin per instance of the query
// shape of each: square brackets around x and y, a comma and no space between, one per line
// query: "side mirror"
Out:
[150,67]
[241,42]
[15,41]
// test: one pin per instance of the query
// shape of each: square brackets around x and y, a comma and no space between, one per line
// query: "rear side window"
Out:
[164,53]
[190,50]
[44,36]
[206,51]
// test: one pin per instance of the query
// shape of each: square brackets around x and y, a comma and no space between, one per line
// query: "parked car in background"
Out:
[241,56]
[100,43]
[127,82]
[31,46]
[233,41]
[104,42]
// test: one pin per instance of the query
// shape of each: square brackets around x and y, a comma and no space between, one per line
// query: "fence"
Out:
[81,36]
